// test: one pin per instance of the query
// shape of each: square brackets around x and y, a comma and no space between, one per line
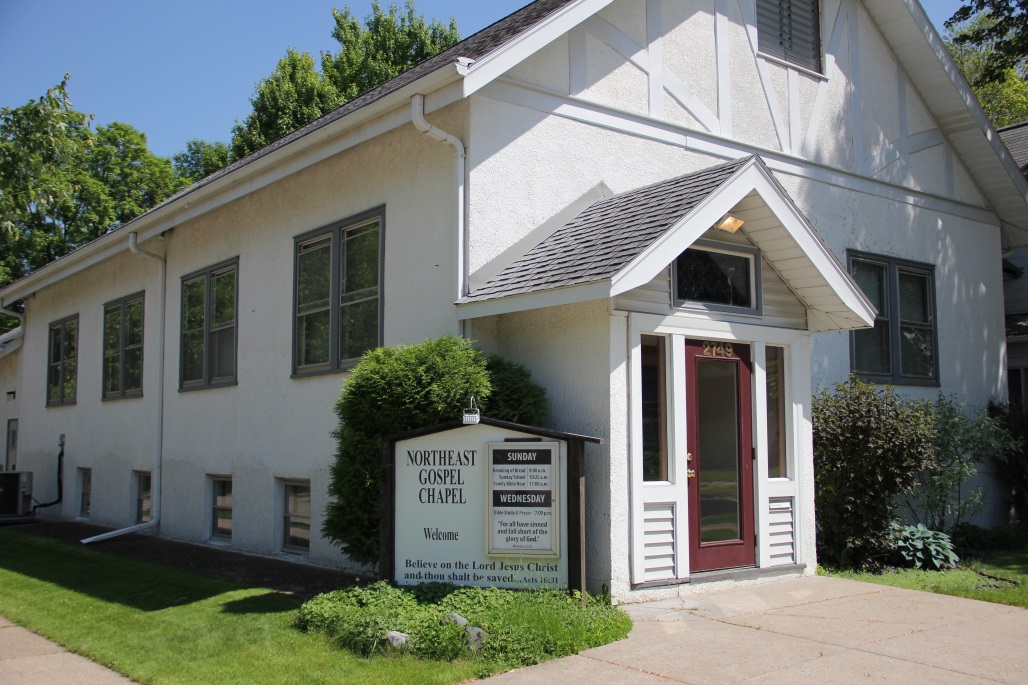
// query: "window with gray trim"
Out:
[902,348]
[221,508]
[337,295]
[296,516]
[62,361]
[790,30]
[208,354]
[123,348]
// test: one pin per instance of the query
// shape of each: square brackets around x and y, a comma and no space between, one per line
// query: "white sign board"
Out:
[446,527]
[524,494]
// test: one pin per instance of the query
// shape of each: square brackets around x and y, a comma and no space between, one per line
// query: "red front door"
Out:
[721,461]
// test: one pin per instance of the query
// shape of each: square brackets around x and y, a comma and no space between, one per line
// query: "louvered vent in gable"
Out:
[790,30]
[659,542]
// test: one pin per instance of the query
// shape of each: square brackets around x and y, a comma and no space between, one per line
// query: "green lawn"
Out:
[1005,580]
[162,625]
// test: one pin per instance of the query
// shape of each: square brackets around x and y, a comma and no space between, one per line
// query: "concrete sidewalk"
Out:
[28,659]
[806,630]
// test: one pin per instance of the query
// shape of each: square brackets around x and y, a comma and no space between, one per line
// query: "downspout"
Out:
[155,483]
[417,115]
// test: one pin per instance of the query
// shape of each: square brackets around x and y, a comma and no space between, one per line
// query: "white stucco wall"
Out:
[268,427]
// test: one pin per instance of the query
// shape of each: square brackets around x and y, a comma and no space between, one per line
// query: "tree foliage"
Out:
[63,185]
[1005,34]
[297,92]
[1003,97]
[200,159]
[868,446]
[294,94]
[389,43]
[397,389]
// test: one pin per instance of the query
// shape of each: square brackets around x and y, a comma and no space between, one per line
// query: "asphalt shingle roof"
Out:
[1016,139]
[606,236]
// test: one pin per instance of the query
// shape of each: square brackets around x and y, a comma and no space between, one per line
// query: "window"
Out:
[11,454]
[902,346]
[654,408]
[142,497]
[775,400]
[790,30]
[297,517]
[85,492]
[62,361]
[123,348]
[338,288]
[208,357]
[718,277]
[221,508]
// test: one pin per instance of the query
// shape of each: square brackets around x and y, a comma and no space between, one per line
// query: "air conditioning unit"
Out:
[15,493]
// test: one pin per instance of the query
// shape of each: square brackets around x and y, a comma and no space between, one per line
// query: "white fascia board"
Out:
[441,88]
[574,294]
[11,341]
[752,176]
[501,60]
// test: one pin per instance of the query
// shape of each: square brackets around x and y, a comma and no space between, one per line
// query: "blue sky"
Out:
[183,69]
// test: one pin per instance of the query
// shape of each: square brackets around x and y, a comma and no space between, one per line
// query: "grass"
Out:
[1001,577]
[161,625]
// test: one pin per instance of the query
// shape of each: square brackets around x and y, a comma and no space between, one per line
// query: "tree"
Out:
[62,185]
[1006,33]
[200,159]
[388,44]
[294,94]
[297,93]
[1004,99]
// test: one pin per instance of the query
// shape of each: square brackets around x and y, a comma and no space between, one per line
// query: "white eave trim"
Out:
[528,42]
[389,112]
[587,292]
[11,341]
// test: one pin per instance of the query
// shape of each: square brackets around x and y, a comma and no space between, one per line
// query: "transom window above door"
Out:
[710,275]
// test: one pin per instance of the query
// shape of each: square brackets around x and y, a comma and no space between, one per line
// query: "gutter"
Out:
[417,115]
[158,447]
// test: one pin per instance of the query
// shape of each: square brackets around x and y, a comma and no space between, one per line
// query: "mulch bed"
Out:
[299,579]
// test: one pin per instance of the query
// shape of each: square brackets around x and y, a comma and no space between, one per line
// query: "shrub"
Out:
[928,550]
[397,389]
[1011,467]
[941,499]
[523,626]
[868,445]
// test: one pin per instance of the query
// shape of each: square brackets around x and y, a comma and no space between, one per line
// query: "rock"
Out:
[456,619]
[476,637]
[397,639]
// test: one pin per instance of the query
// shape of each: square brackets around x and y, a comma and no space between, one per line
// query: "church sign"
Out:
[484,505]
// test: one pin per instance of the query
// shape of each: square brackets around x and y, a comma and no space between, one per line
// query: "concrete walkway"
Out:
[807,630]
[28,659]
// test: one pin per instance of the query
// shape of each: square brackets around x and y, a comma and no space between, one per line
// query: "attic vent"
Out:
[790,30]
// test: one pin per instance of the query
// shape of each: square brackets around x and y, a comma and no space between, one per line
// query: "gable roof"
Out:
[600,241]
[492,51]
[623,242]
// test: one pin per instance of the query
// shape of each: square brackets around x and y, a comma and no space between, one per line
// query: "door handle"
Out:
[690,473]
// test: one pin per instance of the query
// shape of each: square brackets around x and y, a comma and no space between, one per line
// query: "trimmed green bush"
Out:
[523,626]
[397,389]
[868,446]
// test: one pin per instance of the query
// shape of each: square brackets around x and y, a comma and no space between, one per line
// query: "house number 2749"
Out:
[713,349]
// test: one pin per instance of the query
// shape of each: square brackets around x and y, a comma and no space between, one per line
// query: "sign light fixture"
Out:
[729,223]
